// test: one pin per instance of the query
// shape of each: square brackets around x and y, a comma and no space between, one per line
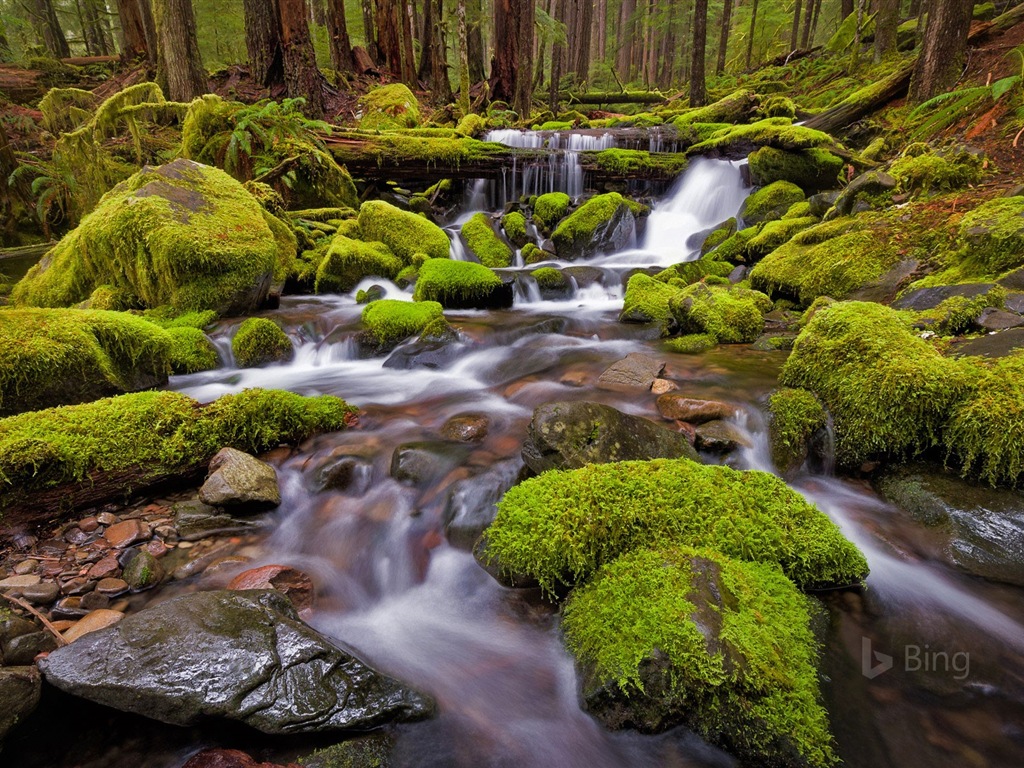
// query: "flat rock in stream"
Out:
[240,482]
[634,371]
[242,656]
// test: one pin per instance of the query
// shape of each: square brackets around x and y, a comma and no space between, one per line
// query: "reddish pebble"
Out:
[229,758]
[156,548]
[294,583]
[104,568]
[89,524]
[125,533]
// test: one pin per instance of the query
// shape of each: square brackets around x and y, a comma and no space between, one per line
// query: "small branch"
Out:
[46,623]
[278,170]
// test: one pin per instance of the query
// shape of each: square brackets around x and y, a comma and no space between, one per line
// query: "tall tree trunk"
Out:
[434,55]
[370,30]
[512,65]
[915,8]
[945,45]
[668,44]
[341,45]
[845,8]
[627,28]
[263,41]
[149,27]
[182,65]
[460,15]
[602,30]
[475,39]
[698,90]
[318,12]
[886,21]
[795,32]
[723,40]
[557,57]
[812,9]
[857,31]
[301,75]
[814,22]
[750,36]
[579,43]
[49,29]
[408,56]
[389,36]
[524,83]
[83,24]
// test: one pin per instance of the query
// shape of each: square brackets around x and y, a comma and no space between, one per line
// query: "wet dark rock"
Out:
[373,293]
[609,236]
[41,594]
[870,184]
[1013,280]
[472,503]
[143,572]
[888,285]
[929,298]
[569,435]
[195,520]
[992,319]
[20,688]
[681,408]
[822,201]
[1014,302]
[228,758]
[345,473]
[994,345]
[720,437]
[240,482]
[69,608]
[635,371]
[94,601]
[293,583]
[421,462]
[125,533]
[12,626]
[23,649]
[466,427]
[422,353]
[242,656]
[584,277]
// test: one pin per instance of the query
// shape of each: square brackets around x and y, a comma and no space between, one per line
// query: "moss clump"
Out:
[484,242]
[154,434]
[471,125]
[773,132]
[549,209]
[778,106]
[718,236]
[560,527]
[108,297]
[796,415]
[389,107]
[647,301]
[688,272]
[388,321]
[930,172]
[773,234]
[576,233]
[735,108]
[800,211]
[191,351]
[406,234]
[260,341]
[182,235]
[810,169]
[736,658]
[62,356]
[550,279]
[455,284]
[957,314]
[533,254]
[630,162]
[770,202]
[734,248]
[729,314]
[691,343]
[514,224]
[348,261]
[993,234]
[889,392]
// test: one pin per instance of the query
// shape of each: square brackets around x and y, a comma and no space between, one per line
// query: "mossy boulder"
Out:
[687,636]
[810,169]
[993,234]
[689,272]
[514,225]
[560,527]
[462,285]
[182,234]
[604,224]
[935,172]
[772,234]
[260,341]
[729,314]
[549,209]
[738,107]
[795,418]
[406,234]
[387,107]
[348,261]
[647,301]
[482,241]
[389,321]
[718,235]
[691,343]
[191,350]
[770,202]
[777,132]
[64,356]
[553,284]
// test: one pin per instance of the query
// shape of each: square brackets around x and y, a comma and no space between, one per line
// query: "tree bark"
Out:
[408,56]
[512,64]
[464,76]
[945,45]
[627,28]
[133,32]
[698,89]
[723,40]
[557,57]
[370,30]
[886,21]
[179,47]
[301,75]
[845,9]
[263,41]
[795,32]
[475,40]
[750,36]
[389,37]
[49,30]
[812,9]
[602,30]
[433,56]
[579,43]
[337,29]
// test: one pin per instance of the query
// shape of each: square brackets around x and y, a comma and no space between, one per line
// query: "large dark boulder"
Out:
[19,695]
[568,435]
[242,656]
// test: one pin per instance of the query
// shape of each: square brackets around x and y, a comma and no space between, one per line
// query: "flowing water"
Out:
[392,585]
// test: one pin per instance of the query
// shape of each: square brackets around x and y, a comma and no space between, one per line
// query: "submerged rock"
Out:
[241,482]
[242,656]
[635,371]
[20,688]
[421,462]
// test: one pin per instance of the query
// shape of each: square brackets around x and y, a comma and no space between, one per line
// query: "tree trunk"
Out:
[475,39]
[723,40]
[668,45]
[370,30]
[795,32]
[886,21]
[301,75]
[48,27]
[524,32]
[408,56]
[133,33]
[152,42]
[812,9]
[263,41]
[750,36]
[845,9]
[557,57]
[341,45]
[602,30]
[389,37]
[627,27]
[512,65]
[463,32]
[579,43]
[318,12]
[698,90]
[179,47]
[434,58]
[945,45]
[814,22]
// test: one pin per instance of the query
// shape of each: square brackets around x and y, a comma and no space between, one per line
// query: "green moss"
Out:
[734,248]
[562,526]
[109,297]
[770,202]
[718,236]
[348,261]
[647,301]
[533,254]
[730,315]
[406,234]
[957,314]
[166,317]
[799,211]
[735,108]
[153,434]
[889,392]
[736,655]
[581,225]
[778,106]
[691,343]
[266,196]
[514,224]
[795,415]
[481,239]
[394,149]
[389,106]
[549,279]
[389,320]
[554,125]
[191,351]
[936,173]
[60,356]
[774,132]
[471,125]
[454,284]
[629,162]
[810,169]
[993,234]
[846,34]
[259,341]
[550,208]
[773,234]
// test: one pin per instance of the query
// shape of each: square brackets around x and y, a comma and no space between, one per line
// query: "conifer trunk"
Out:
[181,63]
[263,41]
[133,32]
[49,30]
[723,40]
[886,21]
[698,89]
[341,45]
[301,75]
[941,61]
[475,40]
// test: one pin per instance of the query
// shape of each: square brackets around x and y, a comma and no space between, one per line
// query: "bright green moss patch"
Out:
[993,234]
[388,107]
[562,526]
[576,232]
[628,162]
[773,234]
[795,415]
[688,272]
[514,224]
[406,234]
[533,254]
[348,261]
[770,202]
[646,301]
[549,279]
[810,169]
[735,108]
[152,434]
[260,341]
[718,236]
[936,173]
[191,351]
[481,239]
[773,132]
[550,208]
[471,125]
[691,343]
[389,321]
[736,658]
[729,314]
[455,284]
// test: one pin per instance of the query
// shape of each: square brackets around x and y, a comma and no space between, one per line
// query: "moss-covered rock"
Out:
[388,107]
[483,242]
[183,235]
[729,314]
[191,350]
[770,202]
[775,132]
[686,636]
[691,343]
[389,321]
[634,162]
[348,261]
[514,224]
[688,272]
[603,224]
[534,254]
[718,236]
[471,125]
[795,417]
[461,285]
[549,209]
[406,234]
[64,356]
[260,341]
[738,107]
[934,172]
[646,301]
[773,234]
[560,527]
[889,392]
[552,283]
[810,169]
[993,234]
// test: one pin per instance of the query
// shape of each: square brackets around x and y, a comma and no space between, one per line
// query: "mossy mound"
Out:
[932,172]
[388,321]
[718,236]
[646,301]
[687,636]
[689,272]
[484,243]
[471,125]
[152,435]
[260,341]
[993,234]
[729,314]
[183,235]
[889,392]
[604,223]
[810,169]
[738,107]
[191,350]
[773,234]
[64,356]
[691,343]
[389,107]
[775,132]
[560,527]
[348,261]
[406,234]
[549,209]
[533,254]
[461,285]
[795,417]
[632,162]
[514,224]
[770,202]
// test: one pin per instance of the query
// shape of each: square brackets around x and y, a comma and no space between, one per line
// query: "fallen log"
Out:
[612,97]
